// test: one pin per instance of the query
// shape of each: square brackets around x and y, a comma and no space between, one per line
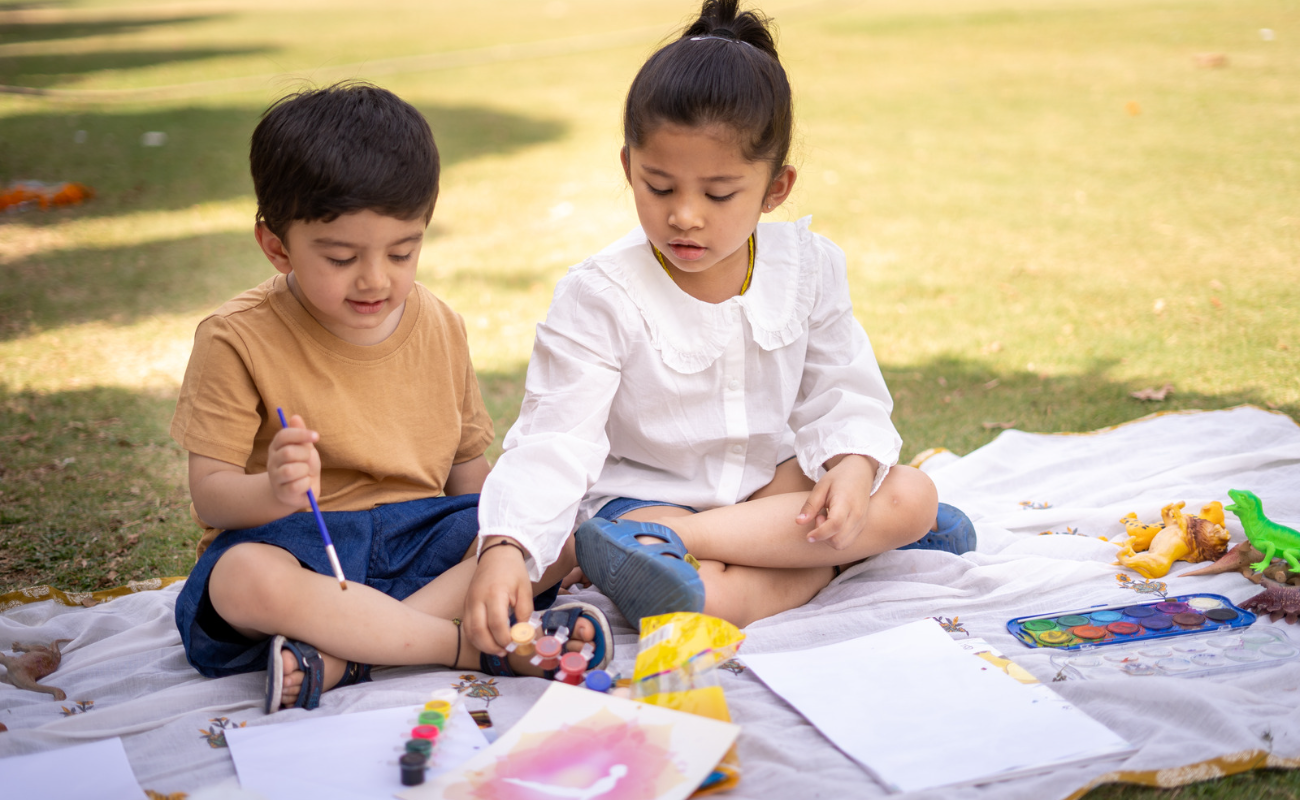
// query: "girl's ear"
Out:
[273,247]
[626,158]
[780,187]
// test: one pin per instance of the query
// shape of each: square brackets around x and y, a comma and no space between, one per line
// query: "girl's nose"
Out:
[684,216]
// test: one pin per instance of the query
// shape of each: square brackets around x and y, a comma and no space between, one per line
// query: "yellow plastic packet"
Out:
[677,668]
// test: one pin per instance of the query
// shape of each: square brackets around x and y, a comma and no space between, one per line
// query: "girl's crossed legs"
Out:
[756,560]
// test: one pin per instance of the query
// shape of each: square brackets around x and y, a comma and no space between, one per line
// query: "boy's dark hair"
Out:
[349,147]
[723,70]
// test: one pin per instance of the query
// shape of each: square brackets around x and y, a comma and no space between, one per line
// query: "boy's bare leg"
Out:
[262,590]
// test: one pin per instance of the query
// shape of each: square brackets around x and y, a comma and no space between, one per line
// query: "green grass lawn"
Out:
[1046,206]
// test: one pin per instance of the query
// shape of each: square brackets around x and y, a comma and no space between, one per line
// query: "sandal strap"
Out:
[313,673]
[354,673]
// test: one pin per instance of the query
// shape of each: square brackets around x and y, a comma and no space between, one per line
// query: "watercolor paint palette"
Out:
[1184,615]
[1214,653]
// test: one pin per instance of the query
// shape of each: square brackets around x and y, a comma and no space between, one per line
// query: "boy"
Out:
[346,179]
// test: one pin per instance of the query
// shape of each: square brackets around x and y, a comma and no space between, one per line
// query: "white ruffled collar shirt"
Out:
[636,389]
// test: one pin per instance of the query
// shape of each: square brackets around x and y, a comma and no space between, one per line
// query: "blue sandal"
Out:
[567,616]
[956,534]
[643,580]
[313,674]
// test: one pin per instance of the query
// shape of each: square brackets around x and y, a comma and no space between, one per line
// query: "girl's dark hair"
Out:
[731,77]
[348,147]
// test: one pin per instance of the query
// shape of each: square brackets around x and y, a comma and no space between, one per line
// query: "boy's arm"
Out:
[228,498]
[467,477]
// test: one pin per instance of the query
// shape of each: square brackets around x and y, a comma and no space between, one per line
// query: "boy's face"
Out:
[352,274]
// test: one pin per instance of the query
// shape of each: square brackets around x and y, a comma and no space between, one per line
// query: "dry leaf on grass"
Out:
[1153,394]
[989,426]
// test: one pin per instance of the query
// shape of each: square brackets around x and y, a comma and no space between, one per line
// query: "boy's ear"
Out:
[273,248]
[780,187]
[626,158]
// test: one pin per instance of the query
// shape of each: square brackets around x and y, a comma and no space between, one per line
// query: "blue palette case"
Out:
[1136,622]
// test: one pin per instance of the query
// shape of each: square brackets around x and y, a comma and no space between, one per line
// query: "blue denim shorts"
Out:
[622,505]
[396,548]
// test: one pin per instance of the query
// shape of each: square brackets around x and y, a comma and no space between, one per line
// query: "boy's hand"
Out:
[838,503]
[500,583]
[293,464]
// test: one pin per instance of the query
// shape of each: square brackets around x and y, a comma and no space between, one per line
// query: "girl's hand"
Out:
[293,464]
[838,503]
[499,584]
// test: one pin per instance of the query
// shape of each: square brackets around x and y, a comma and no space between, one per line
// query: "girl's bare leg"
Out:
[755,561]
[262,590]
[762,531]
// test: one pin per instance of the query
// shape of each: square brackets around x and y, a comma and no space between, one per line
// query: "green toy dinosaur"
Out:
[1266,535]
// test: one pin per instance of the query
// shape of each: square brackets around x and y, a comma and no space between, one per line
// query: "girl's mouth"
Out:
[687,252]
[366,308]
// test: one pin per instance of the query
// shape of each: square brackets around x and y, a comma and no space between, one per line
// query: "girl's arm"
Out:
[553,454]
[844,438]
[843,405]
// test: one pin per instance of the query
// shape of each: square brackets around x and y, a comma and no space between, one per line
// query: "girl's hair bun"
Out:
[725,20]
[722,71]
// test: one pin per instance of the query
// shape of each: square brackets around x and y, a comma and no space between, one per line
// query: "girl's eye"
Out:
[722,199]
[658,192]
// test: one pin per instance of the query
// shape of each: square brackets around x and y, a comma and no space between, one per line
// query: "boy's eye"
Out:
[340,262]
[401,257]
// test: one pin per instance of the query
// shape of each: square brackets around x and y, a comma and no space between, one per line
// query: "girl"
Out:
[703,378]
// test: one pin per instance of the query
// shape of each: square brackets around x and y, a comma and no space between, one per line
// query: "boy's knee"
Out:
[243,583]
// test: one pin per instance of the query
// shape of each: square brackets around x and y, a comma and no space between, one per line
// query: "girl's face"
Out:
[699,199]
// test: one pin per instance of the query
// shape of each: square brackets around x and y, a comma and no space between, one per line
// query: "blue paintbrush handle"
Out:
[320,521]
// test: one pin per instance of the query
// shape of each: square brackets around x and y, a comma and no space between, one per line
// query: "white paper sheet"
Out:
[918,712]
[579,744]
[343,757]
[98,770]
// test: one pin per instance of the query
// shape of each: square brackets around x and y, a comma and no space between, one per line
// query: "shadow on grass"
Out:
[32,28]
[40,71]
[205,157]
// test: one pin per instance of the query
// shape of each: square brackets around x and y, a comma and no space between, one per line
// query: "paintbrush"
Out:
[320,523]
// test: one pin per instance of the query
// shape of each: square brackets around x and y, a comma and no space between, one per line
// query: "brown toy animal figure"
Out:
[1179,537]
[1277,600]
[1241,558]
[36,661]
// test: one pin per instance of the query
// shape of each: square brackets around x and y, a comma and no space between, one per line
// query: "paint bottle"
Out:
[598,680]
[548,652]
[412,765]
[429,732]
[521,639]
[572,666]
[434,718]
[422,746]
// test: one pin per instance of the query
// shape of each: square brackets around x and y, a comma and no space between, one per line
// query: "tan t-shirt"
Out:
[393,417]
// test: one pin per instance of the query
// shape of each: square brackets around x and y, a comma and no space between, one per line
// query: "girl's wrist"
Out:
[501,542]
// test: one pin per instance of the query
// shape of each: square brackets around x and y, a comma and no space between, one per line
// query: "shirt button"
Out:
[733,384]
[737,449]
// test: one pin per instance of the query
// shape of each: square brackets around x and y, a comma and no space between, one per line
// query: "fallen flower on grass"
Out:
[1153,394]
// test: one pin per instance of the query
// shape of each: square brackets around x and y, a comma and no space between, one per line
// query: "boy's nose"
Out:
[374,274]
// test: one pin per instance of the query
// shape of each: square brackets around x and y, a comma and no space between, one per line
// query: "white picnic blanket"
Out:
[125,674]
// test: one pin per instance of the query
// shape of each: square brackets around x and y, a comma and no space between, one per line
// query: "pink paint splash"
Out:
[600,758]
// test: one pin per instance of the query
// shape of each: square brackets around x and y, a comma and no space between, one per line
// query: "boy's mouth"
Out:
[366,308]
[687,251]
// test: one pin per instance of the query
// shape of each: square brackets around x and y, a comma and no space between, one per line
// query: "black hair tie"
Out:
[724,33]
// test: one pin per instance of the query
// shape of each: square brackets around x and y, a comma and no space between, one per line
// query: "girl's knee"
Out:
[912,497]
